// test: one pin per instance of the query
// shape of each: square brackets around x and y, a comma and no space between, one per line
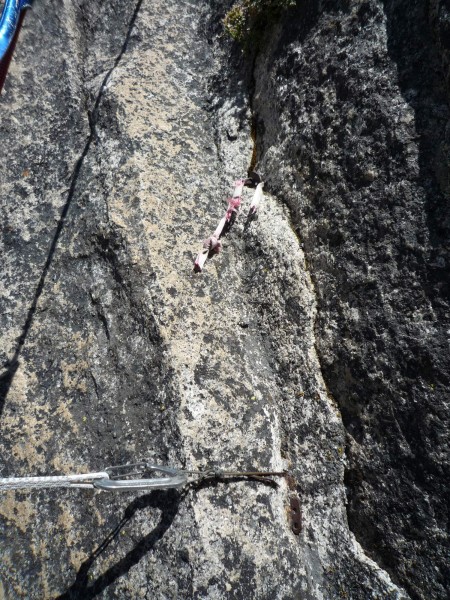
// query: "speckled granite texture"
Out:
[316,341]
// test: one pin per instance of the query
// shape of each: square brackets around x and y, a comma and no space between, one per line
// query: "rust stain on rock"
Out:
[296,515]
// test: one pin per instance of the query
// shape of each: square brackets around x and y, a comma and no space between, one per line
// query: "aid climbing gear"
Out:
[122,478]
[254,206]
[10,24]
[212,245]
[115,480]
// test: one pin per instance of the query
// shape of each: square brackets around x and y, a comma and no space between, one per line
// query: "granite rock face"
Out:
[317,341]
[354,121]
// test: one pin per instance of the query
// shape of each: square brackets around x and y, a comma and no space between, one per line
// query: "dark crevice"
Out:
[104,322]
[421,82]
[94,381]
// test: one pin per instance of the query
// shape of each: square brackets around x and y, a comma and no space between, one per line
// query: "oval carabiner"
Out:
[175,480]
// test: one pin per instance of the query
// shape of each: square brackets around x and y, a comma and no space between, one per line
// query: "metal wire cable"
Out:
[62,481]
[123,478]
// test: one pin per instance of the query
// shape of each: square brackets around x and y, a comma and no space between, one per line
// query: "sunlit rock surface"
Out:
[316,341]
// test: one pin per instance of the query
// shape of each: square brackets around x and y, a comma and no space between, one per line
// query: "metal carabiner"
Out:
[175,480]
[9,22]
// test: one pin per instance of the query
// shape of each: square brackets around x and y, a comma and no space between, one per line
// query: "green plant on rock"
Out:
[235,22]
[246,19]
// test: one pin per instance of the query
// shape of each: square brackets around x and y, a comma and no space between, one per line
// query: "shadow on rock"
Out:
[413,48]
[10,369]
[168,503]
[5,382]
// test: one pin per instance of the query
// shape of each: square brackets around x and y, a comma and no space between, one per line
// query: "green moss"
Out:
[247,19]
[235,22]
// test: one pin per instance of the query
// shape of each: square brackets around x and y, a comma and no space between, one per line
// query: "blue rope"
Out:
[8,22]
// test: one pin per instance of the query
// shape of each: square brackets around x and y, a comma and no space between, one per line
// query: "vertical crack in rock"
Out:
[342,150]
[12,365]
[310,437]
[83,397]
[289,443]
[132,355]
[281,233]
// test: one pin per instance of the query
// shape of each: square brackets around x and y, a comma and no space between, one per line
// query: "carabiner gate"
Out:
[175,480]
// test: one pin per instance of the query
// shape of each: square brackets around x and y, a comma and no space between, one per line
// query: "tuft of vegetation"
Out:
[247,19]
